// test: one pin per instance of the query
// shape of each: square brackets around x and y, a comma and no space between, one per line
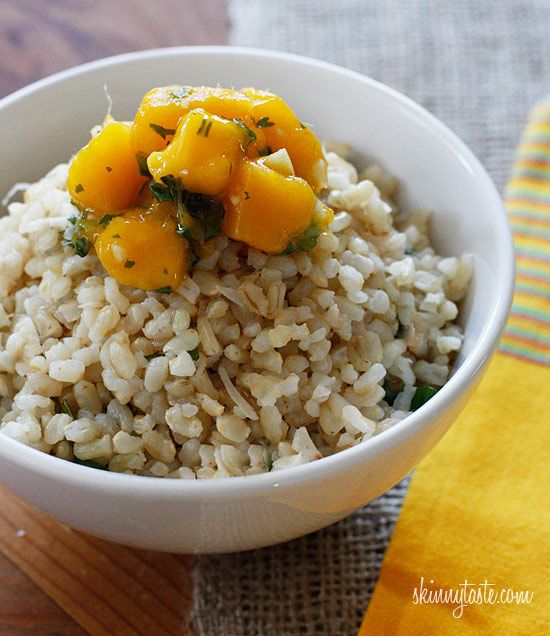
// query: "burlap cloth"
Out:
[479,65]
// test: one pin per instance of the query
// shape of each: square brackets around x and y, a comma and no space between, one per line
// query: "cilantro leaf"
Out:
[249,133]
[65,408]
[106,219]
[142,163]
[264,122]
[152,356]
[81,245]
[421,396]
[162,131]
[90,464]
[204,128]
[160,192]
[179,92]
[208,212]
[392,387]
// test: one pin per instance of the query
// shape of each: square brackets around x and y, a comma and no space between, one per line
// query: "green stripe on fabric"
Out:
[537,155]
[522,250]
[538,137]
[533,289]
[532,251]
[534,273]
[533,173]
[522,352]
[523,193]
[526,212]
[528,311]
[529,229]
[525,333]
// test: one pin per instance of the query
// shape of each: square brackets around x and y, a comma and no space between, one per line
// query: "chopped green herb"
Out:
[421,396]
[133,408]
[267,455]
[152,356]
[108,168]
[72,220]
[79,188]
[302,125]
[106,219]
[264,152]
[305,242]
[65,408]
[81,245]
[179,92]
[129,264]
[392,387]
[142,163]
[204,128]
[115,236]
[264,122]
[160,192]
[164,290]
[162,131]
[410,250]
[308,240]
[249,133]
[246,195]
[194,353]
[90,464]
[199,217]
[195,258]
[208,212]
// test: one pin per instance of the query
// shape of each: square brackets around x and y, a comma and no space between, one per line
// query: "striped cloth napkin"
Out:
[471,551]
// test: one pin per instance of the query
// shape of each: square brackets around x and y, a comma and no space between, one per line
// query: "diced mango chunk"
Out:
[162,109]
[203,153]
[268,117]
[104,176]
[282,129]
[265,209]
[141,249]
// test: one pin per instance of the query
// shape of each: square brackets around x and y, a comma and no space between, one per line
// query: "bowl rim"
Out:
[50,466]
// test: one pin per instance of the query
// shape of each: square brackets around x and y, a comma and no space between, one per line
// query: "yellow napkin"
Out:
[471,551]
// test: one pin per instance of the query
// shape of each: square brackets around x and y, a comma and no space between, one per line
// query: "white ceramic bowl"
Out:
[43,124]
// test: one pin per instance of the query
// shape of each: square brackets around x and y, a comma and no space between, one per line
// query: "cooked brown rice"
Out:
[293,350]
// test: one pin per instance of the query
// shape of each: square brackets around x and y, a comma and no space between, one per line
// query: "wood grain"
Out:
[106,588]
[38,38]
[27,611]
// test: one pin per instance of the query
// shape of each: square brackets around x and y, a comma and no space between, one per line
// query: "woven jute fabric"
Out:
[477,65]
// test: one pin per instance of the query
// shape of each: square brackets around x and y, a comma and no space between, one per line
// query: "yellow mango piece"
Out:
[265,209]
[281,128]
[162,108]
[202,154]
[104,176]
[141,249]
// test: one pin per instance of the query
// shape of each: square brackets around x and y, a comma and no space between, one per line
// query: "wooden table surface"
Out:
[38,38]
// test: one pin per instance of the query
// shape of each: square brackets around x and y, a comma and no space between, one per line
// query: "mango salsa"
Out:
[202,153]
[265,209]
[162,109]
[104,176]
[143,250]
[155,193]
